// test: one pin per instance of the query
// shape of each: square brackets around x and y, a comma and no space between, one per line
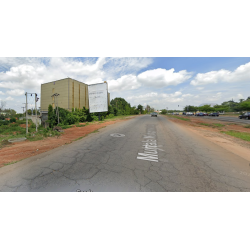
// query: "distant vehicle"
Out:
[205,114]
[189,113]
[200,114]
[154,114]
[214,114]
[184,113]
[245,115]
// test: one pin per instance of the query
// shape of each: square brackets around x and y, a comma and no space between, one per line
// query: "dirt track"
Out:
[230,143]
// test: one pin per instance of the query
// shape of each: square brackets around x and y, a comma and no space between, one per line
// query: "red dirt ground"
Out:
[21,150]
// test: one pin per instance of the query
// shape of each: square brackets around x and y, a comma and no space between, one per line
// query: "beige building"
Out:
[72,94]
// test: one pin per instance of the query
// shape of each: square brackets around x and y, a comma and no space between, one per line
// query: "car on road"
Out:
[154,114]
[213,114]
[189,113]
[205,114]
[199,114]
[245,115]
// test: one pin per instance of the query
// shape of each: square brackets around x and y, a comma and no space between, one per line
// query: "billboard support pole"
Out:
[99,116]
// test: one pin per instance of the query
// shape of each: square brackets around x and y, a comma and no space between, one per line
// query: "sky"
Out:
[161,82]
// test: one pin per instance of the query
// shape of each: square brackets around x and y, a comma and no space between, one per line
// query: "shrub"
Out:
[12,119]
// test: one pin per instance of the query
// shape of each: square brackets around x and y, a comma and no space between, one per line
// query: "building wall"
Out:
[72,94]
[48,89]
[78,95]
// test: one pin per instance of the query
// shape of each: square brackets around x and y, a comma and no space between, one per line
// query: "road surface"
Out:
[142,154]
[227,119]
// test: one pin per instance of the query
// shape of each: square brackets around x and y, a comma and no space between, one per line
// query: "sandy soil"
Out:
[230,143]
[21,150]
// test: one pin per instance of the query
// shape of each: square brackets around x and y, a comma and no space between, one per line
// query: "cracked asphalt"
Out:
[100,162]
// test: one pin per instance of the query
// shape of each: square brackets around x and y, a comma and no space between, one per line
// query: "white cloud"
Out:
[240,96]
[215,97]
[15,92]
[9,98]
[162,77]
[2,93]
[125,82]
[187,95]
[241,74]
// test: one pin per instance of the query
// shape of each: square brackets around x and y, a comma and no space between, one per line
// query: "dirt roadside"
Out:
[21,150]
[213,134]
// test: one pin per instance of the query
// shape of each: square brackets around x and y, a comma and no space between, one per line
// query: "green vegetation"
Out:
[118,107]
[14,131]
[12,162]
[242,135]
[178,117]
[218,125]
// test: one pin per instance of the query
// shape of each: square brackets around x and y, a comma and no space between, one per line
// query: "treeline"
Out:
[229,106]
[117,107]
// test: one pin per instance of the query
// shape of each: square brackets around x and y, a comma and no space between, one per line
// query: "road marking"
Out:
[117,135]
[150,146]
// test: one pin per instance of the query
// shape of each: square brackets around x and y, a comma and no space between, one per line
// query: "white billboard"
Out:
[98,97]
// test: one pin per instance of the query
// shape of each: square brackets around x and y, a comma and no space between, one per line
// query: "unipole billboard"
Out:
[98,97]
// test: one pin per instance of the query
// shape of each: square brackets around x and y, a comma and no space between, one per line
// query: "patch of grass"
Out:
[95,131]
[218,125]
[79,138]
[9,163]
[65,126]
[247,126]
[206,124]
[178,117]
[4,143]
[242,135]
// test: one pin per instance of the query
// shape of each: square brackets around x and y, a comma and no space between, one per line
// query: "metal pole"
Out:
[26,115]
[57,110]
[36,111]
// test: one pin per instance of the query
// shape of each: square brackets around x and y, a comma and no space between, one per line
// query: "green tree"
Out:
[245,106]
[164,111]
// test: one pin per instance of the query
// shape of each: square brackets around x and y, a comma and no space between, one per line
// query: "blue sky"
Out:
[161,82]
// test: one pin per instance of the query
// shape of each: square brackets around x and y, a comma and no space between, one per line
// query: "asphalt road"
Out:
[142,154]
[226,119]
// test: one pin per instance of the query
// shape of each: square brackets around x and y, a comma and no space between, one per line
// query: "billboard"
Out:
[98,97]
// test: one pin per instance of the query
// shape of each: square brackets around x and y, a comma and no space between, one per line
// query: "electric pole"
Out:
[36,110]
[26,115]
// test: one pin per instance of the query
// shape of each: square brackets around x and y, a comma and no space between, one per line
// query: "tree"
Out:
[164,111]
[206,108]
[140,108]
[245,105]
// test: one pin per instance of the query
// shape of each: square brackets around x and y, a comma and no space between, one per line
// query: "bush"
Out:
[4,122]
[12,119]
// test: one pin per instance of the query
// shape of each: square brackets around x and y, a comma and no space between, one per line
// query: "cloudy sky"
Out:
[161,82]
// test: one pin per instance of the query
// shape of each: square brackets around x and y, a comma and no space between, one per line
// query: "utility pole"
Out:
[26,115]
[26,94]
[36,110]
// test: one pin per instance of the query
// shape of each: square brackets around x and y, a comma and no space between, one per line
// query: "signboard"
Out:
[98,97]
